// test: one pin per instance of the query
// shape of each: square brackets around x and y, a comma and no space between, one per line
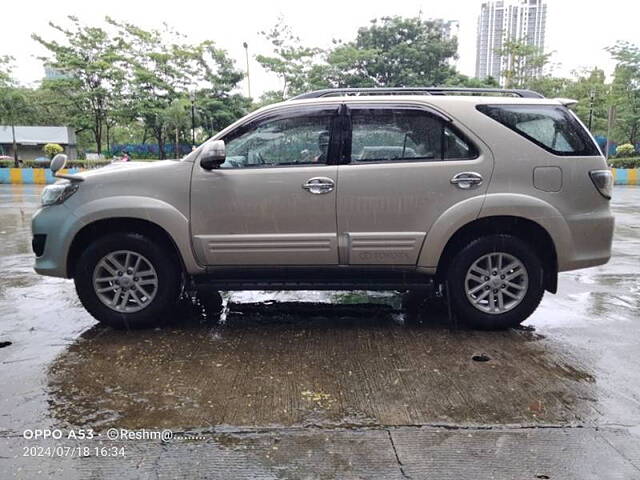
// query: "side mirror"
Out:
[58,162]
[213,155]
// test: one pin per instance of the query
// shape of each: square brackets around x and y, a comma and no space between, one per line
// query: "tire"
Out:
[466,292]
[158,264]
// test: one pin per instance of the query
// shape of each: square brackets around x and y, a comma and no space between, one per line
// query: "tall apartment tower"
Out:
[500,21]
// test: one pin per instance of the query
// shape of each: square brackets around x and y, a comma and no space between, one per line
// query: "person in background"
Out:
[125,157]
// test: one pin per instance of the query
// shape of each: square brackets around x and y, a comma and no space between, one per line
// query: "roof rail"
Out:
[338,92]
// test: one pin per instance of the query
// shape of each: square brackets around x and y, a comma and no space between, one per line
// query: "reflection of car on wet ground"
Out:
[487,197]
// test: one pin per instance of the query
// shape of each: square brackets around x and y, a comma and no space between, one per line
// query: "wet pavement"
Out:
[324,384]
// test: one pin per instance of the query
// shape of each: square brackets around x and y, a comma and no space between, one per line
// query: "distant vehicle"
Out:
[487,194]
[43,162]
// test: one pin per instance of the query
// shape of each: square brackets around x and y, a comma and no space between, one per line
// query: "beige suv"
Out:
[487,194]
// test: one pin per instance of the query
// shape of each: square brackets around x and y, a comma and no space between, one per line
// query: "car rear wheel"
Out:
[495,282]
[126,280]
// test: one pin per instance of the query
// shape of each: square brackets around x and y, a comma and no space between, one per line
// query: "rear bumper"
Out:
[592,235]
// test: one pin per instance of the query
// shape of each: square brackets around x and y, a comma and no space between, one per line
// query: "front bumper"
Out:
[58,225]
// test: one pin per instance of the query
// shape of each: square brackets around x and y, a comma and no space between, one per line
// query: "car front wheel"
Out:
[126,280]
[495,282]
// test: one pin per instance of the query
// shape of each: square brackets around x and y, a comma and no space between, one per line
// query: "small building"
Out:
[30,141]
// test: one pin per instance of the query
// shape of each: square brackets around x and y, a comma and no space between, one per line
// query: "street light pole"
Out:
[246,52]
[193,119]
[15,145]
[592,95]
[610,122]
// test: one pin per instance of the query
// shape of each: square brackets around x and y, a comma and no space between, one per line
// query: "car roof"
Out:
[427,99]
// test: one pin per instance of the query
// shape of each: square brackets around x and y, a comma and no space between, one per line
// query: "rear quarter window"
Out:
[551,127]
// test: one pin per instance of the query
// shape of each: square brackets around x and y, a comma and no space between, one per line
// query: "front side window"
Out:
[551,127]
[381,135]
[297,140]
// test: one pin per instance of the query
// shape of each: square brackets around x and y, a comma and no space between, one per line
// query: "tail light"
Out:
[603,181]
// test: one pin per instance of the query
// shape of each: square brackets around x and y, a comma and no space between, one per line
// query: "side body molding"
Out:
[156,211]
[496,204]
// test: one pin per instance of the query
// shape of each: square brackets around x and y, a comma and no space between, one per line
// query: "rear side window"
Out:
[390,134]
[551,127]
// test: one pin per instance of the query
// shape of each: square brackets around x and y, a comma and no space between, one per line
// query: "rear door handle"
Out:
[467,180]
[319,185]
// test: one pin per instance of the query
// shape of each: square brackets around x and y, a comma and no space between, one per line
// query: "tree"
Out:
[523,62]
[625,91]
[13,104]
[176,117]
[399,52]
[6,66]
[593,93]
[291,62]
[91,62]
[346,67]
[390,52]
[460,80]
[163,68]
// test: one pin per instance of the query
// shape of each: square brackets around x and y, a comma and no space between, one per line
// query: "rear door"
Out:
[273,201]
[403,167]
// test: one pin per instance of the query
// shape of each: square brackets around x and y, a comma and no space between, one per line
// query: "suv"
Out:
[485,193]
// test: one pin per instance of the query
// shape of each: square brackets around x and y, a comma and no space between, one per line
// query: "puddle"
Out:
[290,363]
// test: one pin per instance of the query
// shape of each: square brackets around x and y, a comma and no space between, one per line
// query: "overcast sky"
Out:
[577,30]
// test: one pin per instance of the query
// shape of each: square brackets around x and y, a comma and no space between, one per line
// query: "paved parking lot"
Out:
[326,384]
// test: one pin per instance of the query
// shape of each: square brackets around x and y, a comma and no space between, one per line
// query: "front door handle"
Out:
[319,185]
[467,180]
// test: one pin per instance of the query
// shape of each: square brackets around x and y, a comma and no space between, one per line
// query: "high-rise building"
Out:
[503,20]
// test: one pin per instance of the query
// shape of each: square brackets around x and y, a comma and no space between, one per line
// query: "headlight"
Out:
[57,193]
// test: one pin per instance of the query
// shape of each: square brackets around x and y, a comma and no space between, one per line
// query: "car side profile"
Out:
[484,194]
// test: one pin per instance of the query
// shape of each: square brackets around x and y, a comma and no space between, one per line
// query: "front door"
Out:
[273,201]
[400,175]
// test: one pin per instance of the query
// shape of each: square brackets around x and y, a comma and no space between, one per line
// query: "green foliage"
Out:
[6,66]
[625,91]
[124,84]
[460,80]
[176,117]
[121,74]
[397,52]
[390,52]
[593,95]
[163,69]
[290,61]
[631,162]
[92,64]
[52,149]
[13,106]
[625,150]
[524,62]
